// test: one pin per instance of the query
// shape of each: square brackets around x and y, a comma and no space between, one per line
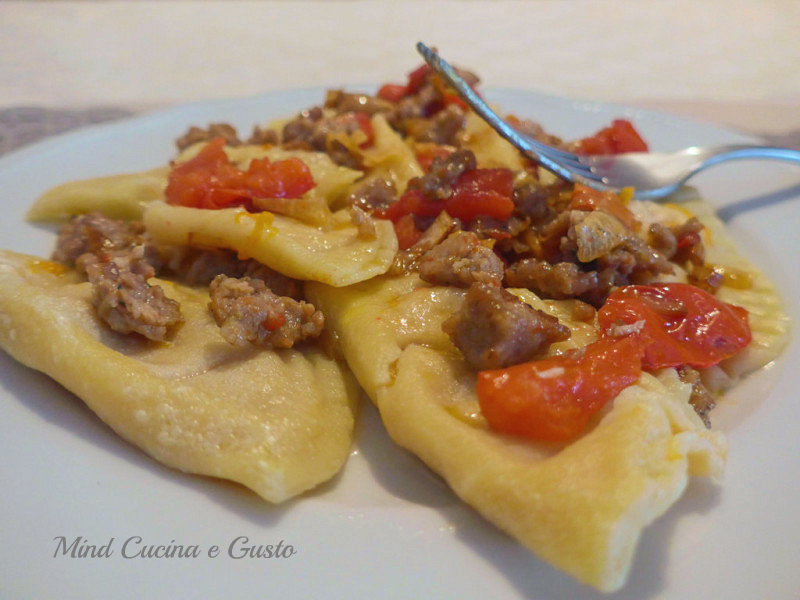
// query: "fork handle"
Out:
[745,151]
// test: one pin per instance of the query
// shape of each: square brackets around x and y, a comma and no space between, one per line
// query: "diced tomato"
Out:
[586,198]
[365,123]
[482,192]
[620,137]
[476,192]
[406,231]
[554,399]
[681,324]
[274,321]
[416,78]
[210,180]
[392,92]
[453,98]
[427,152]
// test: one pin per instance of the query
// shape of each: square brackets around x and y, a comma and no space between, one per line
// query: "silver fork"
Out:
[653,175]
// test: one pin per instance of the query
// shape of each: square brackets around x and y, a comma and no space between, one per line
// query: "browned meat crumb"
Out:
[690,244]
[406,261]
[264,137]
[214,130]
[443,128]
[444,172]
[313,130]
[559,281]
[372,195]
[701,399]
[343,102]
[128,304]
[534,201]
[495,329]
[364,222]
[461,260]
[94,234]
[663,240]
[194,266]
[248,312]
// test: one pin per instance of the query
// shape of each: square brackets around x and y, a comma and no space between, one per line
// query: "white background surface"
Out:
[734,61]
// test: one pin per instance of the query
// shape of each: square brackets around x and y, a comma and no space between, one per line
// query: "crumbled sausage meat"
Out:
[444,172]
[461,260]
[560,280]
[214,130]
[495,329]
[128,304]
[94,234]
[249,313]
[373,195]
[701,399]
[194,266]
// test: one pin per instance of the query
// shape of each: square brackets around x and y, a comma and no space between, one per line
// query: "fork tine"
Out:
[566,165]
[443,68]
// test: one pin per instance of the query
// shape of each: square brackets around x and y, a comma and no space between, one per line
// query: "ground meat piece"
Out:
[495,329]
[343,102]
[537,132]
[701,399]
[364,222]
[533,200]
[559,281]
[419,105]
[95,234]
[194,266]
[690,244]
[248,312]
[444,172]
[264,137]
[633,262]
[461,260]
[128,304]
[313,130]
[407,260]
[215,130]
[663,240]
[373,195]
[443,128]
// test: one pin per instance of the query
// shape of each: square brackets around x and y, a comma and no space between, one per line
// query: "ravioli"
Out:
[580,506]
[277,421]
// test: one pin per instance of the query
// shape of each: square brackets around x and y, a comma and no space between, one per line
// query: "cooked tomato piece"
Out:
[620,137]
[586,198]
[476,192]
[392,92]
[680,324]
[210,180]
[427,152]
[406,231]
[554,399]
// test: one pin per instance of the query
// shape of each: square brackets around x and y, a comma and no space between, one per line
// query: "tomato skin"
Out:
[406,231]
[682,324]
[392,92]
[553,400]
[211,181]
[428,152]
[586,198]
[476,192]
[620,137]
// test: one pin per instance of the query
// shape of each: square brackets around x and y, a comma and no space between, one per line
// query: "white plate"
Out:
[386,527]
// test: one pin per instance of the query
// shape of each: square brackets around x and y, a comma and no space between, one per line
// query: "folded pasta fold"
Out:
[277,421]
